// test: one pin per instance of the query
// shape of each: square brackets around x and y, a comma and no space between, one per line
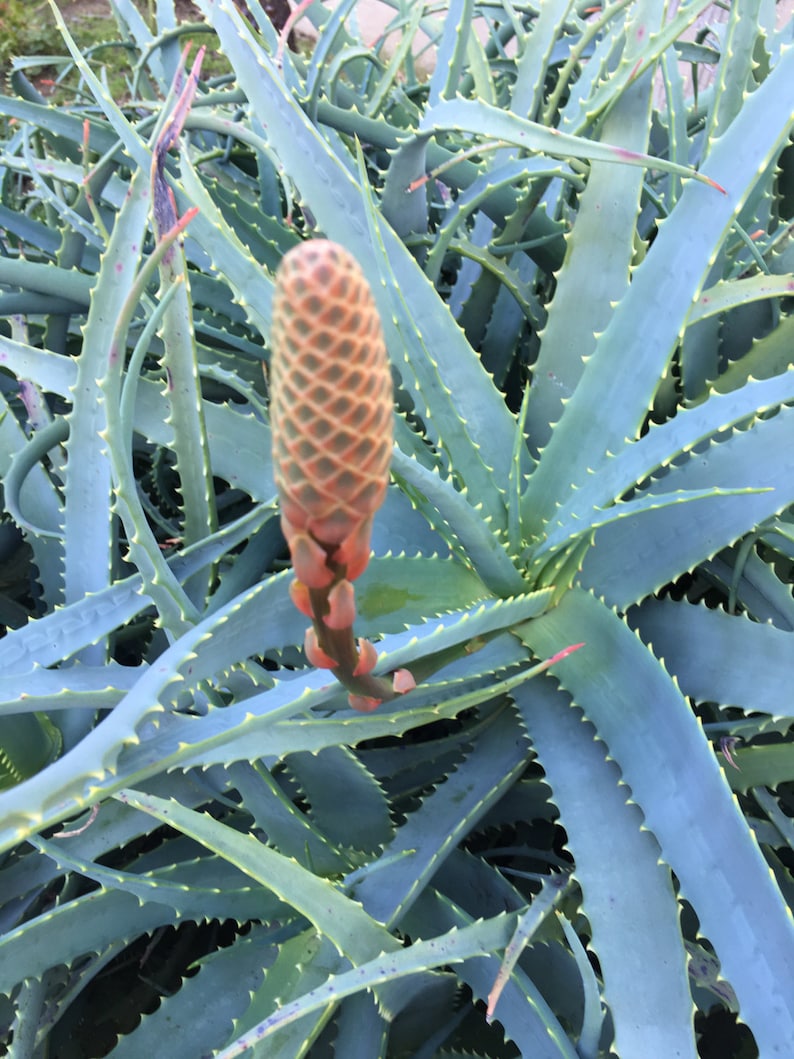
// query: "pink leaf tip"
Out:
[563,653]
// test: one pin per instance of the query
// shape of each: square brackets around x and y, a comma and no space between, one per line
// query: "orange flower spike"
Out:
[364,703]
[367,658]
[332,427]
[403,681]
[299,594]
[309,559]
[316,655]
[341,606]
[331,406]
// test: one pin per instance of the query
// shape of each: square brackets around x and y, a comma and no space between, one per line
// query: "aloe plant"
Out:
[583,279]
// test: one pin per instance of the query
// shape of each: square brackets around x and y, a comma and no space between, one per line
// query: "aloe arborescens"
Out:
[331,416]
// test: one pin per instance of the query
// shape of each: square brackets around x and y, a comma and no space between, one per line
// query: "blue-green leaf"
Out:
[673,775]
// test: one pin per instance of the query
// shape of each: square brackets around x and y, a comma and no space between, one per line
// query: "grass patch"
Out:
[30,41]
[26,30]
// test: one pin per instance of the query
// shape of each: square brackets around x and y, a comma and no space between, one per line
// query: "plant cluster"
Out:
[565,827]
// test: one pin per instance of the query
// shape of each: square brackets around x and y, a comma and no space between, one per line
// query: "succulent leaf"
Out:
[672,755]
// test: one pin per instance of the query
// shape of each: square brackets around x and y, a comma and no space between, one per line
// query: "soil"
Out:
[93,21]
[74,10]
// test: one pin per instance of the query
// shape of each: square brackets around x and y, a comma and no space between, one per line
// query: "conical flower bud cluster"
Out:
[331,409]
[331,418]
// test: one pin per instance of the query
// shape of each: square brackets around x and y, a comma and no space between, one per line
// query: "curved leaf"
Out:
[619,380]
[628,895]
[673,775]
[720,657]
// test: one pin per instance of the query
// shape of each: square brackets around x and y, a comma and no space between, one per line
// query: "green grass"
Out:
[26,31]
[30,33]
